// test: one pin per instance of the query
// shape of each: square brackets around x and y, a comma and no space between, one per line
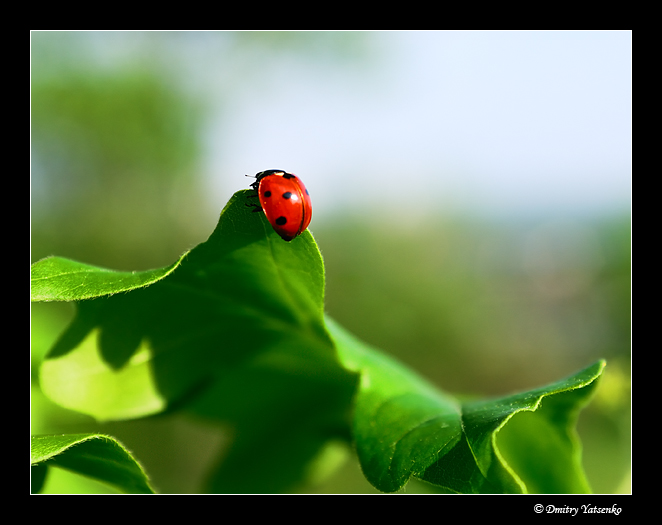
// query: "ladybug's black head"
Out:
[264,173]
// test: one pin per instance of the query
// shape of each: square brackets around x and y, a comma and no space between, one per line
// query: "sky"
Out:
[499,123]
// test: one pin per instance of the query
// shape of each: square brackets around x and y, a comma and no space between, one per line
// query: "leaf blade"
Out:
[405,427]
[400,421]
[236,296]
[244,310]
[61,279]
[97,456]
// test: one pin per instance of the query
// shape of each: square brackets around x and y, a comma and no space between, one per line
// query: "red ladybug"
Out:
[285,201]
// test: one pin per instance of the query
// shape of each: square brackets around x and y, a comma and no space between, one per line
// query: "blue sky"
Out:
[503,123]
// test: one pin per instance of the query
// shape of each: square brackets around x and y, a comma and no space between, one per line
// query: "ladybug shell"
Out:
[285,201]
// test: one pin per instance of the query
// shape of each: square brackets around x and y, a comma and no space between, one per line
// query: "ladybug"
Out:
[285,201]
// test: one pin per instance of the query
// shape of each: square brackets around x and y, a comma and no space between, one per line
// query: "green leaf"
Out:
[535,433]
[93,455]
[235,331]
[285,409]
[404,427]
[396,414]
[233,298]
[60,279]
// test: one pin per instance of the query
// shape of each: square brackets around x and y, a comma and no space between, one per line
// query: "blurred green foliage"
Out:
[552,295]
[114,156]
[454,296]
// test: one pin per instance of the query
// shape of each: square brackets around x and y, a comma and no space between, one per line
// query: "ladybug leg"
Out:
[255,186]
[256,207]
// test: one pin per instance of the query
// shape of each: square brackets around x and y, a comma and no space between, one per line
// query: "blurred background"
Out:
[471,192]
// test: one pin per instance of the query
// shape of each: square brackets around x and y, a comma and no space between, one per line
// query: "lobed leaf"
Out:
[226,302]
[60,279]
[93,455]
[235,331]
[404,427]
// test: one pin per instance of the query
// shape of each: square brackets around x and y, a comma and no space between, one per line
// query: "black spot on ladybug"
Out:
[307,192]
[288,176]
[287,195]
[281,221]
[267,194]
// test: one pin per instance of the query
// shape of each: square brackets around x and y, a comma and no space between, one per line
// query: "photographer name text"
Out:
[573,511]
